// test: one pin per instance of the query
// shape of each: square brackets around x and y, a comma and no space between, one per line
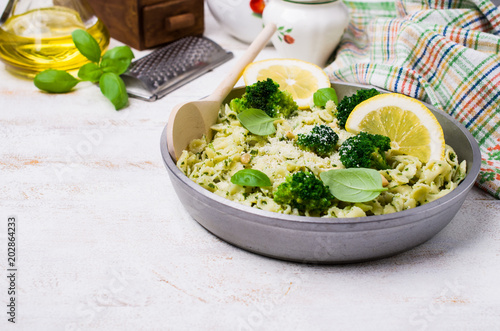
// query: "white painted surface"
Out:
[105,245]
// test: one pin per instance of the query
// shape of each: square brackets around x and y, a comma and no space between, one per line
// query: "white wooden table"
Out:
[104,244]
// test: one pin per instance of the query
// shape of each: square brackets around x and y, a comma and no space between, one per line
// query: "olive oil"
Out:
[41,39]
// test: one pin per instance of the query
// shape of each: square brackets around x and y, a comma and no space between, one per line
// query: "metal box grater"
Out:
[172,66]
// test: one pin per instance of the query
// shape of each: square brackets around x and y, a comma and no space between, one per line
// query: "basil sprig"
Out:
[353,184]
[257,121]
[113,87]
[90,72]
[117,60]
[321,96]
[87,45]
[105,70]
[250,177]
[55,81]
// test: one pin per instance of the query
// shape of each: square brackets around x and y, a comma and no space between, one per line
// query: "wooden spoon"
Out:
[191,120]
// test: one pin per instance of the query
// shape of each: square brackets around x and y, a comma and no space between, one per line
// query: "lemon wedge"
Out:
[301,79]
[413,129]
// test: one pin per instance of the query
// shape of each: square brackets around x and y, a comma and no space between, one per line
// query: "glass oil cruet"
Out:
[35,35]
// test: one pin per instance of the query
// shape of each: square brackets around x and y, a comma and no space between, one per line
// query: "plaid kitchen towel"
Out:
[444,52]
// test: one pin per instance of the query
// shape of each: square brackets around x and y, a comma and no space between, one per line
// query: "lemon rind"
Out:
[410,104]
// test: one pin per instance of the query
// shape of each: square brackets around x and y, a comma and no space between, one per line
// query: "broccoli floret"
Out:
[365,150]
[267,96]
[304,191]
[322,140]
[347,104]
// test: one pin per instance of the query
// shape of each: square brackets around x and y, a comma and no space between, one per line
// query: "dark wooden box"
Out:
[145,24]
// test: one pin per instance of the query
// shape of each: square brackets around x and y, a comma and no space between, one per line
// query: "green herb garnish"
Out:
[323,95]
[257,121]
[250,177]
[353,185]
[105,70]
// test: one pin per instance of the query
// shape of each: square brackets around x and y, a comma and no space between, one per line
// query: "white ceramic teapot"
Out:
[240,18]
[308,29]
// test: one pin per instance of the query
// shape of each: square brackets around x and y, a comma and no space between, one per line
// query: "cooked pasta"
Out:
[233,148]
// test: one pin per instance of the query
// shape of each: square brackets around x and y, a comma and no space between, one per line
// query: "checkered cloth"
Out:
[444,52]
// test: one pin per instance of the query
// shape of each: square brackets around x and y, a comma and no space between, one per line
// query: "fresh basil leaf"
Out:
[353,184]
[90,72]
[250,177]
[113,88]
[117,60]
[257,121]
[321,96]
[55,81]
[87,45]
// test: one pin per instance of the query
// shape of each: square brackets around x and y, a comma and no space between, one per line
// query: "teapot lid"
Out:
[305,2]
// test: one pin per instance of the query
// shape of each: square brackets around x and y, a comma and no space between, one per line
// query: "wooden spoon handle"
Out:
[255,47]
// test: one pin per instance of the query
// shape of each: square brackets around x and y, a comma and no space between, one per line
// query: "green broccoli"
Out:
[365,150]
[347,104]
[304,191]
[267,96]
[322,140]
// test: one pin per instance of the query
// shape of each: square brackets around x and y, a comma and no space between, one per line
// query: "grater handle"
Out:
[255,47]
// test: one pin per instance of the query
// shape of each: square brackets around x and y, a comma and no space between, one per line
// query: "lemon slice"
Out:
[301,79]
[412,127]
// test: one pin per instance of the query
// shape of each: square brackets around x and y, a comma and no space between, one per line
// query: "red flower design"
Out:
[288,39]
[257,6]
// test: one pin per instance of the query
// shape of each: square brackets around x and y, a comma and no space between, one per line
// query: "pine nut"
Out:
[245,158]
